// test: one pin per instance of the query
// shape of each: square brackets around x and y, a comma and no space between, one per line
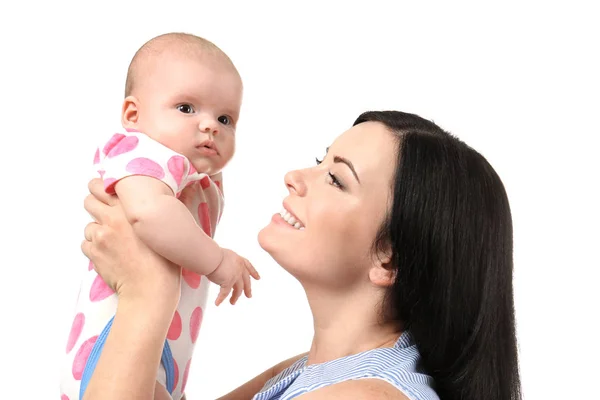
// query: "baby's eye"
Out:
[185,108]
[224,119]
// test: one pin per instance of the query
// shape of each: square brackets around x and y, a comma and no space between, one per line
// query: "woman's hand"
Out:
[148,288]
[125,263]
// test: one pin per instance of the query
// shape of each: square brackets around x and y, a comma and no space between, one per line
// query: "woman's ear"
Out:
[382,272]
[130,112]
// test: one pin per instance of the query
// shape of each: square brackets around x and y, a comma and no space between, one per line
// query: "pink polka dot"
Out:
[191,278]
[64,397]
[100,290]
[195,322]
[109,185]
[176,377]
[145,166]
[186,372]
[204,218]
[90,266]
[125,145]
[116,138]
[205,182]
[82,356]
[176,165]
[76,329]
[218,183]
[175,328]
[97,157]
[192,170]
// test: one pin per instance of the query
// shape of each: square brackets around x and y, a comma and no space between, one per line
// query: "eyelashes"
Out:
[334,180]
[185,108]
[225,120]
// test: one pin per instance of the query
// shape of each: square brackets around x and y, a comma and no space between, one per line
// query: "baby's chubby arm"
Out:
[165,224]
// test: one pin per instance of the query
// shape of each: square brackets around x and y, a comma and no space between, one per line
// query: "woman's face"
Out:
[337,208]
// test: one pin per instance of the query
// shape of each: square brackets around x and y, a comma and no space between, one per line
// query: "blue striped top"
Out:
[398,365]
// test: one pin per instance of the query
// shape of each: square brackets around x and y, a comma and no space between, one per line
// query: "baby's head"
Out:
[184,92]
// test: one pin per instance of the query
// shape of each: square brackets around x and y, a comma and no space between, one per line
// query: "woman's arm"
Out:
[253,386]
[129,362]
[148,287]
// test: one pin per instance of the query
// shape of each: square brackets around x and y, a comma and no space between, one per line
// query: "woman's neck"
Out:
[347,324]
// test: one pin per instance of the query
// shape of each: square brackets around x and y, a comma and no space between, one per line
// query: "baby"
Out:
[182,103]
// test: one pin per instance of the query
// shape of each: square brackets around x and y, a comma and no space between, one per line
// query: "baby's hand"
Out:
[233,272]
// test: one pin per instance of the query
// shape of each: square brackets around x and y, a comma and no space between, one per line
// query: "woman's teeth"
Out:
[287,217]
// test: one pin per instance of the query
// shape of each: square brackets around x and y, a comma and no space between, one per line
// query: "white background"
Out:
[519,82]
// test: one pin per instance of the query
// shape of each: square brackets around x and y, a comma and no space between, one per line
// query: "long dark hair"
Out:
[449,229]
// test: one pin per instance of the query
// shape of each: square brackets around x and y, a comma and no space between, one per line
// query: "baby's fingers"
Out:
[223,293]
[237,292]
[252,270]
[247,284]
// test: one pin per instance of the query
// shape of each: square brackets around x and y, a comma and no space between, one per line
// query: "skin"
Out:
[344,281]
[184,97]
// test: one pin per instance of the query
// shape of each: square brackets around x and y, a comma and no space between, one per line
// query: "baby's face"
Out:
[191,105]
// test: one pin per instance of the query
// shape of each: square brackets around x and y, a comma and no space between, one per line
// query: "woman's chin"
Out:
[278,246]
[265,239]
[270,241]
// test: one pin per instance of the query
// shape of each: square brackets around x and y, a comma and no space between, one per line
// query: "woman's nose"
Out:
[295,182]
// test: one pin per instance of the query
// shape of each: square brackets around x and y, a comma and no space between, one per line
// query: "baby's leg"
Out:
[96,305]
[160,393]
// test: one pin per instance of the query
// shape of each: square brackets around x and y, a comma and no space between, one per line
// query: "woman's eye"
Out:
[224,119]
[318,161]
[186,108]
[334,181]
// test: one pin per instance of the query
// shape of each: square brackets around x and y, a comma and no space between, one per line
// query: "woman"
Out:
[404,249]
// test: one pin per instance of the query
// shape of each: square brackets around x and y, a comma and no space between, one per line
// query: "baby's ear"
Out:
[130,112]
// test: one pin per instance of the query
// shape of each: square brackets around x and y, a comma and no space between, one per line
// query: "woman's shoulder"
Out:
[392,371]
[356,389]
[277,369]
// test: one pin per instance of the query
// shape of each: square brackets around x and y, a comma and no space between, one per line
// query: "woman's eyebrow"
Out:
[339,159]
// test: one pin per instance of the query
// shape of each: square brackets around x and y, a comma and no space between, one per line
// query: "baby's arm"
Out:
[166,225]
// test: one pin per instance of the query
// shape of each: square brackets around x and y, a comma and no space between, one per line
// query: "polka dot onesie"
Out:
[126,154]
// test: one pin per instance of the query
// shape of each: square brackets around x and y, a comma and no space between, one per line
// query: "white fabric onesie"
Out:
[126,154]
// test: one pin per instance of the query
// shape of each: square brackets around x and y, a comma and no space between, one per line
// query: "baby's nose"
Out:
[209,125]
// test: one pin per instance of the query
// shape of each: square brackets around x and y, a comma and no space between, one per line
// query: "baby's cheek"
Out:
[175,142]
[228,151]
